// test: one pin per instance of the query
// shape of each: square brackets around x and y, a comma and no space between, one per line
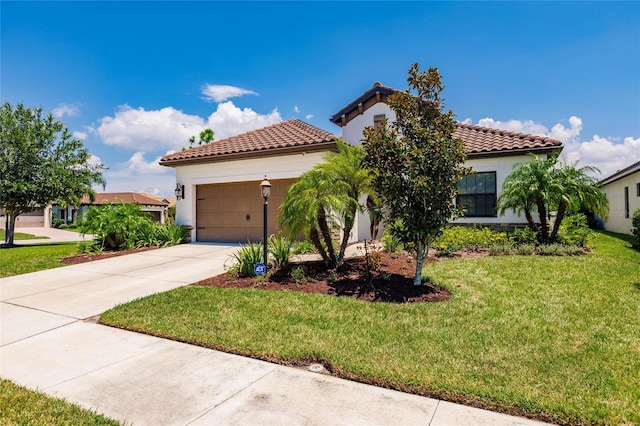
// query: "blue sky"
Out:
[135,79]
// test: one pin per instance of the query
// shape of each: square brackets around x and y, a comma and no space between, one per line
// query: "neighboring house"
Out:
[222,200]
[151,204]
[36,219]
[491,153]
[623,192]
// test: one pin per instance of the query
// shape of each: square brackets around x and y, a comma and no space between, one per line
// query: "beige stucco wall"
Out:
[615,194]
[254,169]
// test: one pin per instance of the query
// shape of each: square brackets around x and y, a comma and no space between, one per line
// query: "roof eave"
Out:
[316,147]
[514,152]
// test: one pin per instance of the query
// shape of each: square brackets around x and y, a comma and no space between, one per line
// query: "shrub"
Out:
[57,222]
[523,236]
[280,249]
[463,237]
[574,231]
[168,234]
[303,247]
[635,221]
[391,241]
[125,225]
[63,226]
[245,259]
[298,275]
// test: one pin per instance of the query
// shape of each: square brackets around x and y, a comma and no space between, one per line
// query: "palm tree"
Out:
[349,181]
[307,209]
[546,185]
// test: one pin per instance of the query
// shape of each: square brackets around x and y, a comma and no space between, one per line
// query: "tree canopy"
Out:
[417,163]
[546,185]
[40,162]
[326,197]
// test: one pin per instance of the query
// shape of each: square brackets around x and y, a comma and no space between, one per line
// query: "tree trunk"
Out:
[532,223]
[562,208]
[315,239]
[421,255]
[326,235]
[543,235]
[346,231]
[10,231]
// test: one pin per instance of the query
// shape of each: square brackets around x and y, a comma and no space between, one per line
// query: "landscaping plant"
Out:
[280,250]
[416,163]
[635,221]
[244,260]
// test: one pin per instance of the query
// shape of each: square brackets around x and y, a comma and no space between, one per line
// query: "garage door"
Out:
[233,212]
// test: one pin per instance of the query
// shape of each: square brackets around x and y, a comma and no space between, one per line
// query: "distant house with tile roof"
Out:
[623,192]
[153,205]
[222,199]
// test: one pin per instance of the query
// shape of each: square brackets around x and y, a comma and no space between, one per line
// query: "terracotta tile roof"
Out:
[283,137]
[486,141]
[123,197]
[634,168]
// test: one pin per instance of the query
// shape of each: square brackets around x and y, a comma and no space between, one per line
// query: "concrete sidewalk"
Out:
[49,342]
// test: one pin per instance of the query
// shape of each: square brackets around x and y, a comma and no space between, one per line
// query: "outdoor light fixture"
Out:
[179,191]
[265,188]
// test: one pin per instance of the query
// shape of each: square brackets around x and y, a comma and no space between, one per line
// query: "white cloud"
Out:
[70,110]
[220,93]
[308,116]
[296,109]
[80,135]
[527,126]
[170,129]
[606,154]
[229,120]
[138,129]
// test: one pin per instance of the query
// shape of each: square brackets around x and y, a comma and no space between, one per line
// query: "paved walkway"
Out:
[51,235]
[49,342]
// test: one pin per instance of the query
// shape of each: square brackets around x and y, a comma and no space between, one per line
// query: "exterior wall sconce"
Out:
[179,191]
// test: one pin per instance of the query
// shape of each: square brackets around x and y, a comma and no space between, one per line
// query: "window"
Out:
[377,120]
[477,194]
[638,189]
[626,202]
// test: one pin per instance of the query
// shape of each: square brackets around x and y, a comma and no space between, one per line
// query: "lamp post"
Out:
[265,188]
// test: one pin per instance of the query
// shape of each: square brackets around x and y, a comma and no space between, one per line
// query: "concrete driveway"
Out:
[49,342]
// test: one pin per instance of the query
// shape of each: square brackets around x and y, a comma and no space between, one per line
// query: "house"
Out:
[491,153]
[221,180]
[623,192]
[222,199]
[153,205]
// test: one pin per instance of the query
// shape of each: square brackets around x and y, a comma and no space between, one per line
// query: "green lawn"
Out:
[21,406]
[30,258]
[556,338]
[21,236]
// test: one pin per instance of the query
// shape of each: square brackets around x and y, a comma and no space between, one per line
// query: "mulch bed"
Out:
[391,281]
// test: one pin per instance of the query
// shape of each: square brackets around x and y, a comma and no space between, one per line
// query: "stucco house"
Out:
[222,199]
[623,192]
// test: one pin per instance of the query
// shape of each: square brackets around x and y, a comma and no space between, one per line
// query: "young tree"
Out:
[546,185]
[417,163]
[40,162]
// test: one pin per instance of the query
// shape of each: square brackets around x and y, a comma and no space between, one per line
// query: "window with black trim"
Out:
[477,194]
[626,202]
[638,189]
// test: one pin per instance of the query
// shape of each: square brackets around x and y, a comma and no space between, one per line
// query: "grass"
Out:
[30,258]
[21,236]
[21,406]
[554,338]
